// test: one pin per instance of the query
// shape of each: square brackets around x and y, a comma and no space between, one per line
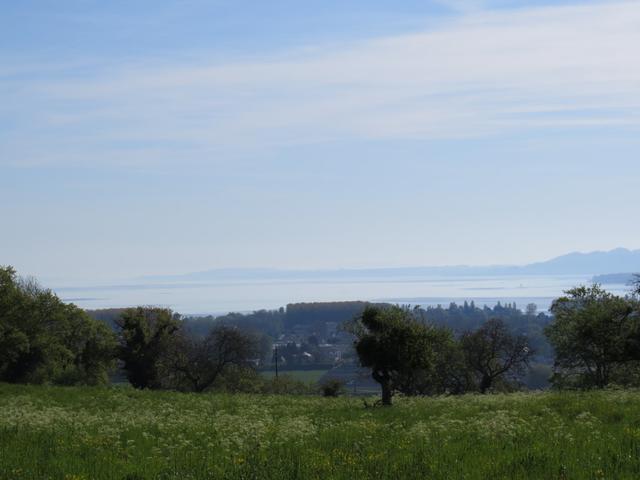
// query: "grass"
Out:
[119,433]
[306,376]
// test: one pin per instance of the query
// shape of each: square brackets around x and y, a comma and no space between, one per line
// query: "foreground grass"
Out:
[119,433]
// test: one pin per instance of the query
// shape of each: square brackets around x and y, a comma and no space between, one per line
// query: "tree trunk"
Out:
[385,383]
[386,392]
[485,384]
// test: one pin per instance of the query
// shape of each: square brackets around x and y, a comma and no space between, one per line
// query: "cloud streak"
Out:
[481,74]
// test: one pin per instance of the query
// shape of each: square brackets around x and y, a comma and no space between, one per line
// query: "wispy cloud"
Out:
[483,73]
[465,6]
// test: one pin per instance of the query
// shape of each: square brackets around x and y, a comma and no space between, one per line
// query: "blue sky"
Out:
[164,137]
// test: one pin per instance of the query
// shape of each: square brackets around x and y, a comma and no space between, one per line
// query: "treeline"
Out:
[156,351]
[310,317]
[409,355]
[593,338]
[46,341]
[468,316]
[307,323]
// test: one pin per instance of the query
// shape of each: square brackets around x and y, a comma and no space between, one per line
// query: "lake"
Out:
[241,296]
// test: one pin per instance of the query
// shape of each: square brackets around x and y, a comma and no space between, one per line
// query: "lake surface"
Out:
[242,296]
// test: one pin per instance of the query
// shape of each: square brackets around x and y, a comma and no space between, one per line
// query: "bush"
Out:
[333,387]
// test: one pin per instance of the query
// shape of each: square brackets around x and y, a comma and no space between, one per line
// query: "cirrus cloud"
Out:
[480,74]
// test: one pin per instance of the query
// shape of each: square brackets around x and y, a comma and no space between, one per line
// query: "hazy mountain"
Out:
[617,260]
[593,263]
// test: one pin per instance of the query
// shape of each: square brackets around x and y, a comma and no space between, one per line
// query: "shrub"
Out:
[332,387]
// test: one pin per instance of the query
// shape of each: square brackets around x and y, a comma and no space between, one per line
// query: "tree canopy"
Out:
[146,335]
[195,363]
[401,350]
[492,352]
[596,337]
[44,340]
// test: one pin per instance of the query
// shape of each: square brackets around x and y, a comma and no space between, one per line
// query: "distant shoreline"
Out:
[615,278]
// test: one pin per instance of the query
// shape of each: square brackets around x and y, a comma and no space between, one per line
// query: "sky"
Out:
[154,137]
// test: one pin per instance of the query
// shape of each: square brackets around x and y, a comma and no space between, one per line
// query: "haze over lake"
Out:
[245,295]
[225,290]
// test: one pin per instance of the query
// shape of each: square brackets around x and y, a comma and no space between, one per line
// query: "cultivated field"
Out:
[307,376]
[119,433]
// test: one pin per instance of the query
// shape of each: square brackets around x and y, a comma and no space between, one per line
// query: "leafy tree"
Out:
[197,363]
[596,337]
[451,373]
[531,310]
[14,342]
[442,368]
[398,347]
[492,352]
[42,339]
[146,335]
[93,346]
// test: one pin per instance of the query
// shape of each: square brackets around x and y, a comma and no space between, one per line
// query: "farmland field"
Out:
[119,433]
[306,376]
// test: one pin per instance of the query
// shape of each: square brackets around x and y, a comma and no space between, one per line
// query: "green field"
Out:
[119,433]
[306,376]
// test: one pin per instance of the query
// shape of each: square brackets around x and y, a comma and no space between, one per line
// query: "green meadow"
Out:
[306,376]
[119,433]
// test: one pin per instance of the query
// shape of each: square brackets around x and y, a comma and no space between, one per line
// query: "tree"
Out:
[43,339]
[197,363]
[531,310]
[146,335]
[398,347]
[492,352]
[452,374]
[596,337]
[14,342]
[94,347]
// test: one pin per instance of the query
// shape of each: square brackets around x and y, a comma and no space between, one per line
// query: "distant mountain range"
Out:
[576,263]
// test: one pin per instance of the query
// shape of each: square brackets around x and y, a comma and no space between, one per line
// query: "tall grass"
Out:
[119,433]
